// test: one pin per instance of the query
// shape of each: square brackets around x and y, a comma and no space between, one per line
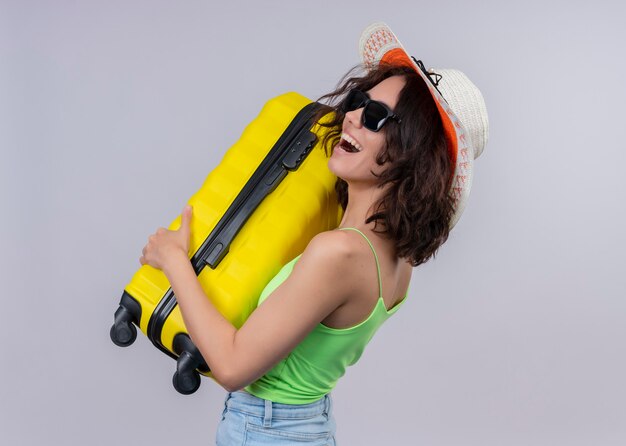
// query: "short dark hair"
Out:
[416,209]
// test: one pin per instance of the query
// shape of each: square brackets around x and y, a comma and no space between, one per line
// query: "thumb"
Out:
[186,218]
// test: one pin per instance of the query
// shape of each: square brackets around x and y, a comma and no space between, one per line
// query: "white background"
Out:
[113,112]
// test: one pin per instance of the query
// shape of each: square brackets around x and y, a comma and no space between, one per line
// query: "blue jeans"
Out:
[248,420]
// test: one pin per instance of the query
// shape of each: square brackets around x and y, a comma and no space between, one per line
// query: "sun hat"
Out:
[459,101]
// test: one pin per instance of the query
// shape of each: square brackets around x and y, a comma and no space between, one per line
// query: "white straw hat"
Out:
[459,101]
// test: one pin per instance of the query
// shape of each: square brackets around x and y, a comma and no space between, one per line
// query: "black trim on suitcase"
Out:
[287,154]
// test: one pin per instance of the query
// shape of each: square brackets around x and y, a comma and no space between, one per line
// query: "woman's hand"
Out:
[165,245]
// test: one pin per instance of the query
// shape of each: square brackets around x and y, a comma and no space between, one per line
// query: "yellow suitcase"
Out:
[258,209]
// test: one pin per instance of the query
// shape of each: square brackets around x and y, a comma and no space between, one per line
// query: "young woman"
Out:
[395,147]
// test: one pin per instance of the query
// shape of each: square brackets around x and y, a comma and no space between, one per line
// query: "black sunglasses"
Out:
[375,114]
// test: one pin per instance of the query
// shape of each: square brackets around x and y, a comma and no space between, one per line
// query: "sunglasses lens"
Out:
[374,116]
[354,100]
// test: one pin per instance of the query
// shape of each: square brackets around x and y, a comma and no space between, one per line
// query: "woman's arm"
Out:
[318,284]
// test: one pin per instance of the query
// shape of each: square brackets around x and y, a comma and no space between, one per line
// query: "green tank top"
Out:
[315,365]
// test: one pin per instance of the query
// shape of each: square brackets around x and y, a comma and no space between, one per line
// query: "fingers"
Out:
[157,240]
[152,242]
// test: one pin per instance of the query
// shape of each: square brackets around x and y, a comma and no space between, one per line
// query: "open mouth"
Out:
[348,144]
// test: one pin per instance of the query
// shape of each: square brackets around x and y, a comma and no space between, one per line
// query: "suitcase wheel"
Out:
[123,335]
[123,332]
[186,380]
[186,383]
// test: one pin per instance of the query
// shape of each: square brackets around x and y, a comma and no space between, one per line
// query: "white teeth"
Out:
[351,141]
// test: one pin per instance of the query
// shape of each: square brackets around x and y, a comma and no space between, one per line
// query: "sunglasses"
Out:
[375,114]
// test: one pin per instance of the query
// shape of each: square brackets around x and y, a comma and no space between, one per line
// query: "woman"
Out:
[395,148]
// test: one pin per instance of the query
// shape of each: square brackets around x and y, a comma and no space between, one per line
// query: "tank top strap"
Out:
[380,284]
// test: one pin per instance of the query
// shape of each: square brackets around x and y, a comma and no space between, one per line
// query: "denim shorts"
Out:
[248,420]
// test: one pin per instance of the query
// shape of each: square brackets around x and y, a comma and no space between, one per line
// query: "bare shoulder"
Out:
[335,246]
[328,256]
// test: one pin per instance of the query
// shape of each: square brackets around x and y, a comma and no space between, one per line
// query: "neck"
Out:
[362,200]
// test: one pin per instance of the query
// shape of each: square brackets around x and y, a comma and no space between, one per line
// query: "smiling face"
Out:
[356,166]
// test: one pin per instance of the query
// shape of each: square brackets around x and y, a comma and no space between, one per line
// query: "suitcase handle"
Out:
[286,155]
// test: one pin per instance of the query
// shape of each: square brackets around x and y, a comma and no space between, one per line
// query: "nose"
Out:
[354,117]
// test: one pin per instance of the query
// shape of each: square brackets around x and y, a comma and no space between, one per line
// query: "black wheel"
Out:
[123,334]
[186,383]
